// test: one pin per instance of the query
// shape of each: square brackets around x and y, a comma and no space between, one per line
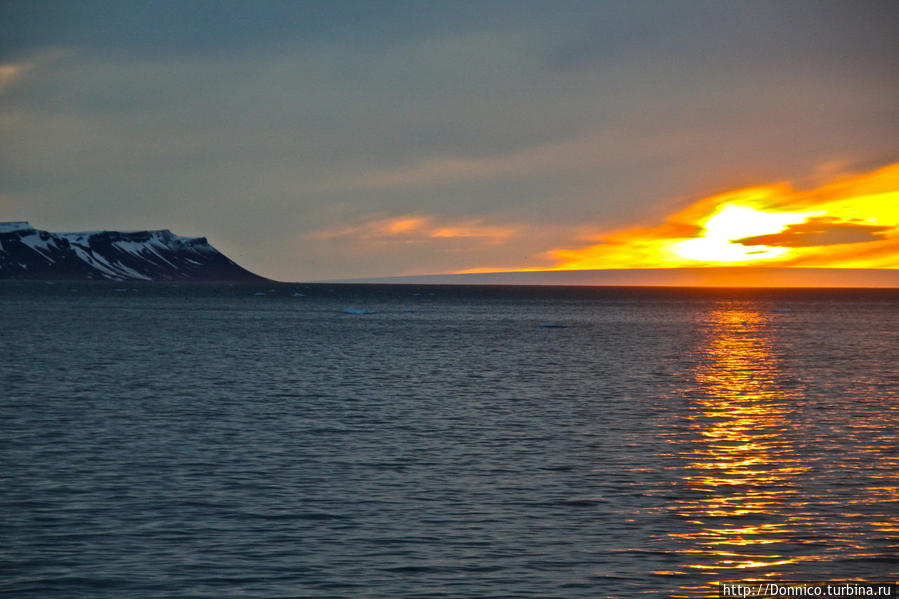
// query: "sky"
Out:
[343,139]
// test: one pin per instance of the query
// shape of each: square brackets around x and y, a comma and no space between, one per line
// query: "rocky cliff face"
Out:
[29,253]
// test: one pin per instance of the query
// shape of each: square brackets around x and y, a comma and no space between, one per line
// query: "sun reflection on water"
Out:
[740,467]
[774,449]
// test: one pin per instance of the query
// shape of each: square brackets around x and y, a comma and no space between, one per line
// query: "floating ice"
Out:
[298,294]
[357,311]
[552,325]
[783,310]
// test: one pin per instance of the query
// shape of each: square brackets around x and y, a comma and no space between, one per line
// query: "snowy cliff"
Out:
[29,253]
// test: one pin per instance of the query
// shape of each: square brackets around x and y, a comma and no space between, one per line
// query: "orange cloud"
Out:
[397,226]
[852,222]
[10,72]
[474,230]
[416,228]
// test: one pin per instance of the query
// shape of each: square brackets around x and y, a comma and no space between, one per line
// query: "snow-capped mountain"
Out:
[29,253]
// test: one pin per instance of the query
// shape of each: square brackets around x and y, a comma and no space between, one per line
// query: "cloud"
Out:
[399,243]
[849,222]
[15,72]
[819,231]
[550,157]
[10,72]
[510,128]
[420,229]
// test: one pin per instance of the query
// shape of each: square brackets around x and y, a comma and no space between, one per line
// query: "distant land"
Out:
[27,253]
[666,277]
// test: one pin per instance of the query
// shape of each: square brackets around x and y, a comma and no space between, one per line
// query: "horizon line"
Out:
[701,276]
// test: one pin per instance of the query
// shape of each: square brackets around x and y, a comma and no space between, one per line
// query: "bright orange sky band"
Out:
[852,222]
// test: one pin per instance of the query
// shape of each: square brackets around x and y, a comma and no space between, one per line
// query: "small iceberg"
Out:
[357,311]
[259,293]
[298,294]
[783,310]
[552,325]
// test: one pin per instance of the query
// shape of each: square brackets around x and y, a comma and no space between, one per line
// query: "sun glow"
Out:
[851,222]
[730,223]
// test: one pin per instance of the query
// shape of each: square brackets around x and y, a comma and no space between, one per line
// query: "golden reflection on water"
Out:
[740,466]
[780,455]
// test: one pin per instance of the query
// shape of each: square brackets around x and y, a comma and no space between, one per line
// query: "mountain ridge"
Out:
[142,255]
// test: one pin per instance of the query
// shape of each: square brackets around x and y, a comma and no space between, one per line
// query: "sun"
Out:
[730,223]
[848,221]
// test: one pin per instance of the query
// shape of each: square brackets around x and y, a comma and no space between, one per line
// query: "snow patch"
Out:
[10,226]
[39,245]
[89,258]
[130,271]
[158,255]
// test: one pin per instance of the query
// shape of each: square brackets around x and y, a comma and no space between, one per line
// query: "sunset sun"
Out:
[848,222]
[731,223]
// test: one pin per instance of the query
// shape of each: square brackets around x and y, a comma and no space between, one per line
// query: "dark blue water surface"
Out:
[206,441]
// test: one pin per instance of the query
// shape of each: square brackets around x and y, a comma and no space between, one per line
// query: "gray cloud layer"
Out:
[260,125]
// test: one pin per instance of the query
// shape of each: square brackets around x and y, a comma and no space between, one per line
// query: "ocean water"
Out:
[206,441]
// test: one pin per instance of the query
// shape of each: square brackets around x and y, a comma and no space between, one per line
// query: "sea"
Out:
[398,441]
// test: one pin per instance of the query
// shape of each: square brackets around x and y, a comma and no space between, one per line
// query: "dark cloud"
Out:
[573,34]
[819,231]
[167,26]
[171,27]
